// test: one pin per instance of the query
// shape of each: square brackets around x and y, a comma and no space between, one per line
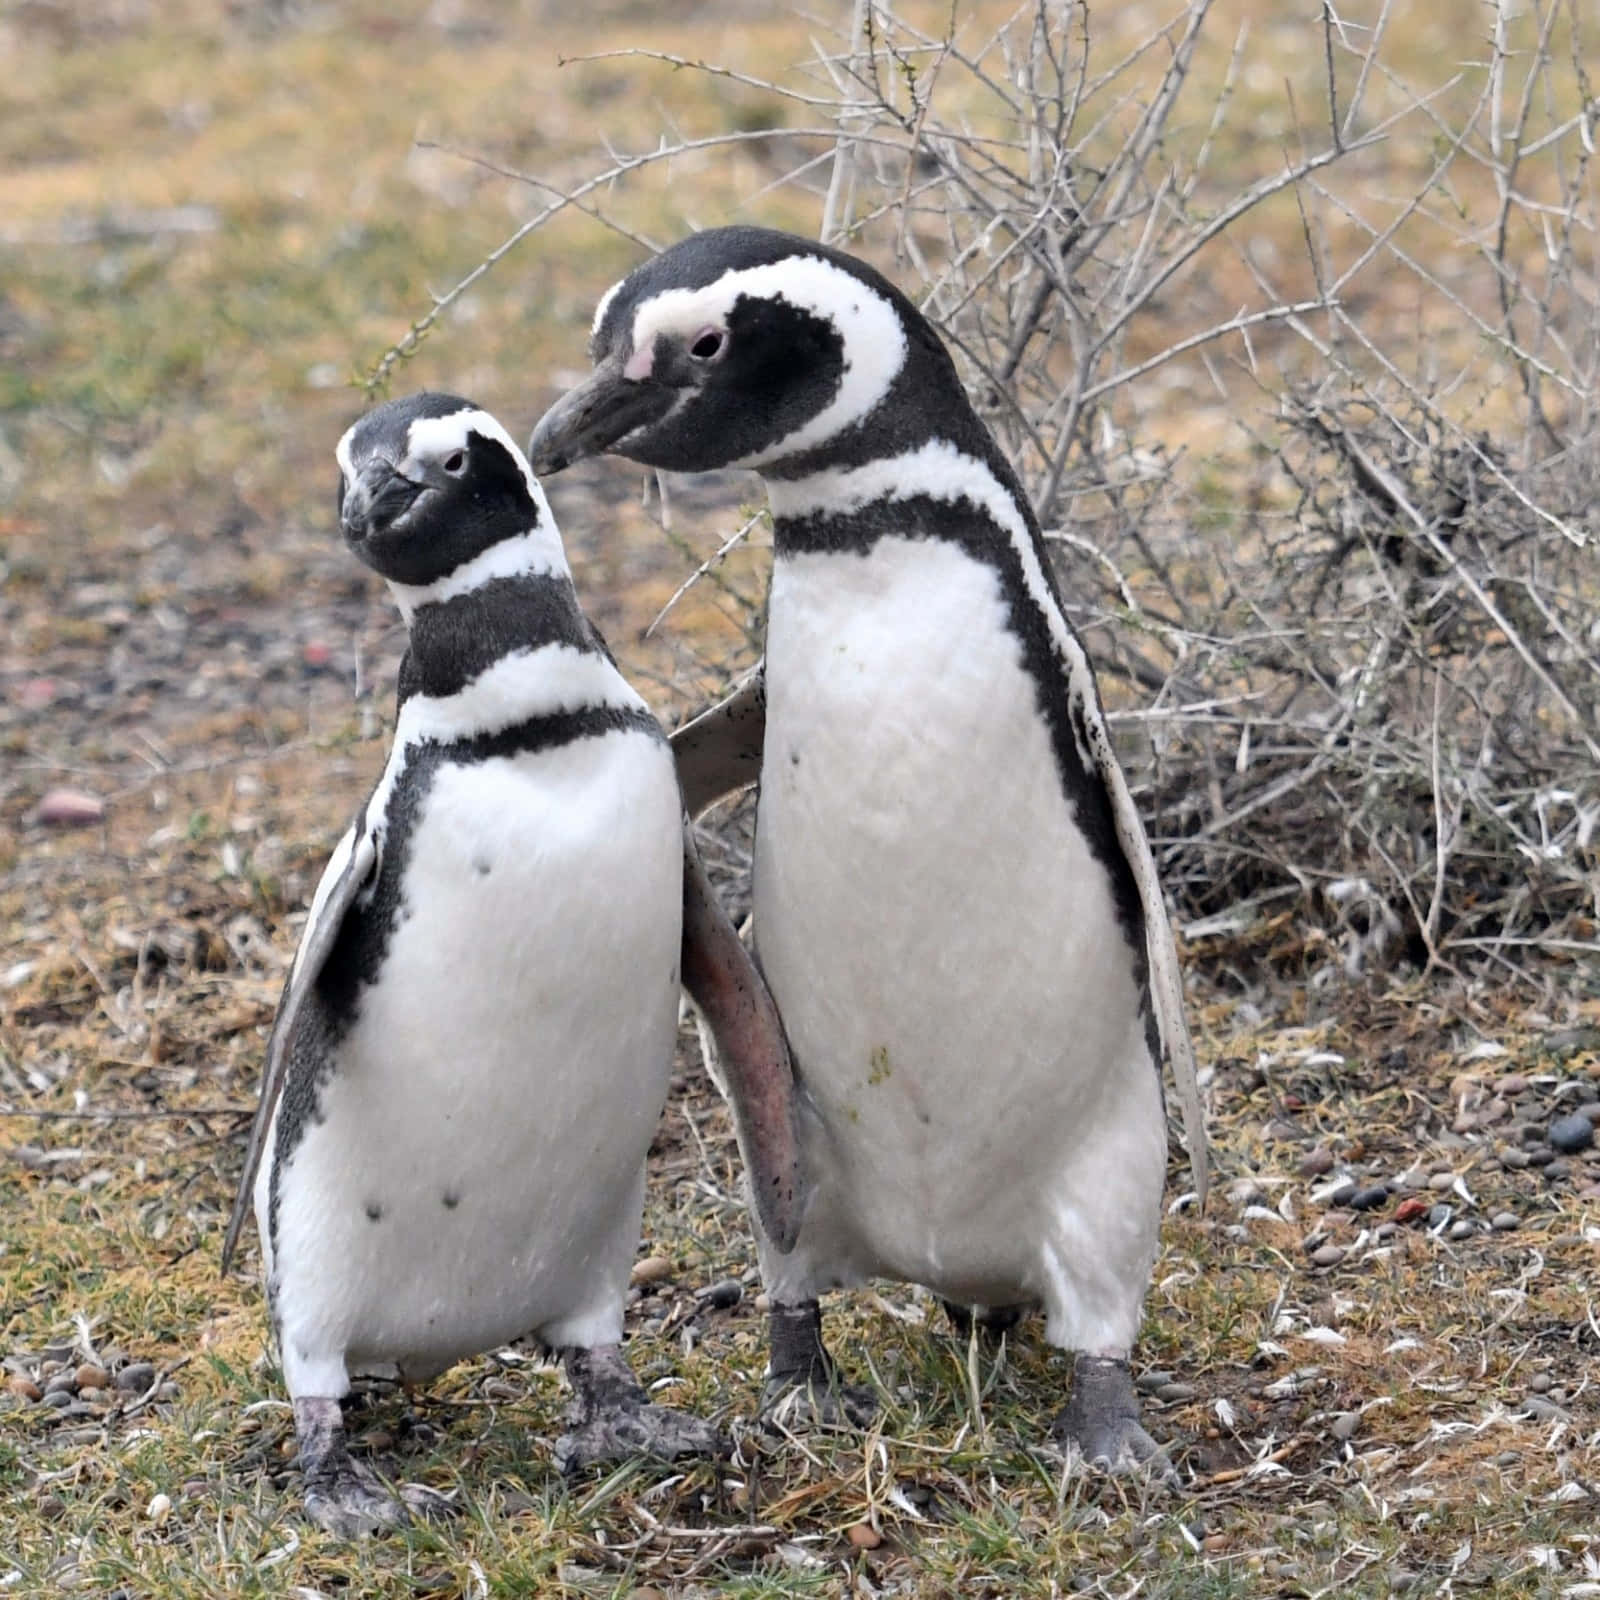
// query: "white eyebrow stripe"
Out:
[604,306]
[870,326]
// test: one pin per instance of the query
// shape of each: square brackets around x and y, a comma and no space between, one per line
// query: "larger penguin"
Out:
[955,903]
[473,1047]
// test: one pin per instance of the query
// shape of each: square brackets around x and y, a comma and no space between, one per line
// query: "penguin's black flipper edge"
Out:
[351,867]
[725,983]
[720,750]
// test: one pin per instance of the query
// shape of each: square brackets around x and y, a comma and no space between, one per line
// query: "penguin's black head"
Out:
[429,482]
[739,347]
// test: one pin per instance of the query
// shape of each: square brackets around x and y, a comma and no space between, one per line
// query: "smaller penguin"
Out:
[473,1046]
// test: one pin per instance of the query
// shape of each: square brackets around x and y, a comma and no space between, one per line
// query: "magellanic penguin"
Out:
[954,901]
[473,1047]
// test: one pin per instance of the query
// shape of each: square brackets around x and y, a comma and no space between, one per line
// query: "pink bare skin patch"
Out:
[640,363]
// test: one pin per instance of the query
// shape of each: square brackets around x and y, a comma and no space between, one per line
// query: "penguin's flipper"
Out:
[350,869]
[1166,982]
[723,981]
[720,750]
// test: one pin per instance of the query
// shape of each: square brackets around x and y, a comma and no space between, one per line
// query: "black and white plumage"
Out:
[955,903]
[474,1044]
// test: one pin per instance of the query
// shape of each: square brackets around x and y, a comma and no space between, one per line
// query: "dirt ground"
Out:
[1372,1356]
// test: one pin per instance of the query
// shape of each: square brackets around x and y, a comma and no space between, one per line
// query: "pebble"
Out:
[60,1383]
[20,1384]
[1368,1199]
[1315,1163]
[1462,1229]
[1541,1158]
[653,1269]
[1504,1221]
[1345,1424]
[1513,1160]
[1410,1209]
[1506,1458]
[1591,1192]
[863,1536]
[159,1509]
[723,1294]
[69,808]
[91,1375]
[1442,1180]
[1439,1215]
[1330,1255]
[1153,1382]
[1512,1084]
[1556,1168]
[1572,1133]
[648,1592]
[1176,1393]
[59,1398]
[51,1506]
[1546,1410]
[1540,1382]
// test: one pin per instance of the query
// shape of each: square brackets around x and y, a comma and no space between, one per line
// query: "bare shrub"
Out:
[1310,416]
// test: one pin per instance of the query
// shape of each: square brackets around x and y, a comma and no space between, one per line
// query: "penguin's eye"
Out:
[708,344]
[456,463]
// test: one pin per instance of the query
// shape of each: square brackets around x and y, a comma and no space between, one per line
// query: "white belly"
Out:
[942,944]
[477,1168]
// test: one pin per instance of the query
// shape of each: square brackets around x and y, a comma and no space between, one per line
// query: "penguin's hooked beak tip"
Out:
[596,416]
[377,499]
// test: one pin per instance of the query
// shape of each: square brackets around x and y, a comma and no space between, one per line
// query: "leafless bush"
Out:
[1356,653]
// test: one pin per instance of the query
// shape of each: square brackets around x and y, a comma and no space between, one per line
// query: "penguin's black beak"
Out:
[377,499]
[600,413]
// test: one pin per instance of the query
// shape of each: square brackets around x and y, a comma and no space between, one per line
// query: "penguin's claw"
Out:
[792,1403]
[1100,1424]
[628,1433]
[349,1500]
[611,1420]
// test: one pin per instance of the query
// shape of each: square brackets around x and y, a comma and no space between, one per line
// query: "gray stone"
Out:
[1462,1229]
[1369,1199]
[1504,1221]
[136,1377]
[1330,1255]
[1572,1133]
[1345,1424]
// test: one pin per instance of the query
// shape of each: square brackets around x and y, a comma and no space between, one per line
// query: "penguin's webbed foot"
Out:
[1100,1423]
[611,1420]
[804,1388]
[347,1497]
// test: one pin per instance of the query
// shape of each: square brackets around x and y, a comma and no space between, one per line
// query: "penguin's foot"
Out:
[1100,1423]
[345,1496]
[804,1388]
[993,1321]
[611,1420]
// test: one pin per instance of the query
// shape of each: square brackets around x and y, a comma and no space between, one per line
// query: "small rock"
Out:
[1368,1199]
[21,1385]
[724,1294]
[1330,1255]
[1345,1424]
[1462,1229]
[1542,1157]
[1568,1041]
[1340,1194]
[1540,1382]
[653,1269]
[136,1377]
[1545,1410]
[1439,1215]
[1511,1085]
[1315,1163]
[51,1507]
[648,1592]
[1572,1133]
[93,1393]
[59,1398]
[1513,1160]
[1176,1393]
[763,1302]
[1151,1382]
[1410,1209]
[1556,1169]
[61,1382]
[1590,1192]
[1506,1458]
[91,1375]
[863,1536]
[69,808]
[159,1509]
[1442,1180]
[1504,1221]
